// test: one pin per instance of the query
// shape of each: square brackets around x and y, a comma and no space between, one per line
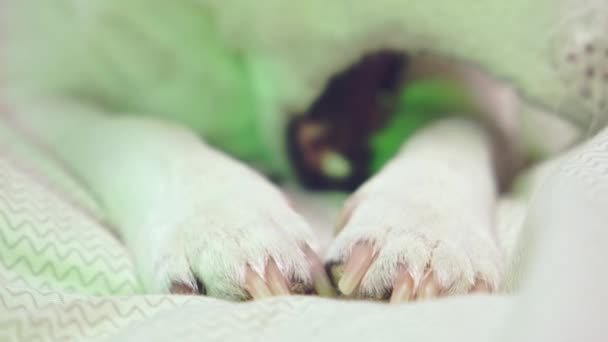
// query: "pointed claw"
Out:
[255,285]
[181,288]
[481,287]
[429,288]
[275,279]
[403,287]
[320,280]
[359,262]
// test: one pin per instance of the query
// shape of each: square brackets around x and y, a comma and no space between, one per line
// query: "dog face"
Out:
[330,144]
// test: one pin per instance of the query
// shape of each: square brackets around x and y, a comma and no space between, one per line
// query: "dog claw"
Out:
[429,288]
[481,287]
[357,265]
[255,285]
[181,288]
[403,287]
[320,280]
[276,282]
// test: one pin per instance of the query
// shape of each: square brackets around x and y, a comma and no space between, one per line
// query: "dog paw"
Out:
[250,247]
[390,247]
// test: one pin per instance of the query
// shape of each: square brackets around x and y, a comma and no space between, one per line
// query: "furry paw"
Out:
[422,227]
[239,250]
[394,248]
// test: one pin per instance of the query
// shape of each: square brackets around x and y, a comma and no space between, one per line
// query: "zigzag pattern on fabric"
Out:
[53,246]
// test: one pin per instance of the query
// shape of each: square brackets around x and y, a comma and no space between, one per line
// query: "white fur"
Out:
[181,207]
[431,208]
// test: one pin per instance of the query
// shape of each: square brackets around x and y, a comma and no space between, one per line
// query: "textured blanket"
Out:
[65,277]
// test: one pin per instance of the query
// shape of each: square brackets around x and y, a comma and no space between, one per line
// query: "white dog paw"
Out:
[394,248]
[238,250]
